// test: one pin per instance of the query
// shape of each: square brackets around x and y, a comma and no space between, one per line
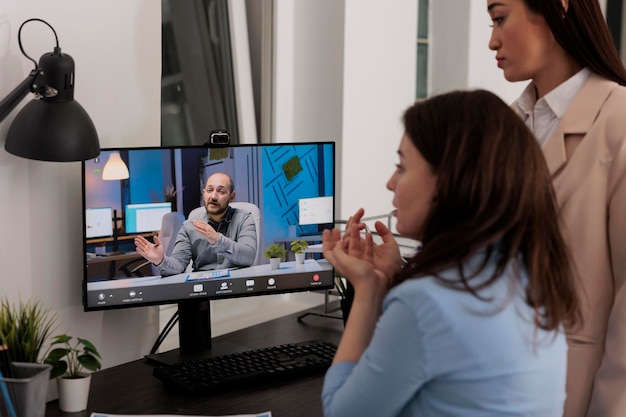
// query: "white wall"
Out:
[460,55]
[308,72]
[449,45]
[379,84]
[117,51]
[344,72]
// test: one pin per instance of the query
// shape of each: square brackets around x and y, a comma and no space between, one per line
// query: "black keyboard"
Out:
[202,376]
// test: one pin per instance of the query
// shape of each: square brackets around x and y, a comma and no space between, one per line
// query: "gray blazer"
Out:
[236,248]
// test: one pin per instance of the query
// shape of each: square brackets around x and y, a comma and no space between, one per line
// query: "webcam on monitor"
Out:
[219,137]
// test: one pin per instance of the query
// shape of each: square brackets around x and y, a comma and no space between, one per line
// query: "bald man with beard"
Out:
[216,236]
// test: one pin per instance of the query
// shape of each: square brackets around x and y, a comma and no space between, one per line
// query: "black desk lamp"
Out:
[54,127]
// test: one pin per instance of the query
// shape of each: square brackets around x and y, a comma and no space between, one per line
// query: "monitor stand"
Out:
[194,334]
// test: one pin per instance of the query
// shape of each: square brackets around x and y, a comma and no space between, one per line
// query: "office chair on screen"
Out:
[256,215]
[170,225]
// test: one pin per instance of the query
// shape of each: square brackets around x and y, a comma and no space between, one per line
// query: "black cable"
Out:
[166,330]
[19,37]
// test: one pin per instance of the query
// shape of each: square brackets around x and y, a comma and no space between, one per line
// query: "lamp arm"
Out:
[14,97]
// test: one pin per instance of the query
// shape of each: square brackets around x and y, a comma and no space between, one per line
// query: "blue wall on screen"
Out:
[146,176]
[281,193]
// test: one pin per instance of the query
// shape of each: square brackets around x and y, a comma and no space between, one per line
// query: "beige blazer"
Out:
[587,157]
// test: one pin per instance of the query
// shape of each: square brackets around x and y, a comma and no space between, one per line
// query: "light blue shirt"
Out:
[441,352]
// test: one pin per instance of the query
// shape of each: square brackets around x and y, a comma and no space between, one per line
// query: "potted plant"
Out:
[69,363]
[24,329]
[299,247]
[275,252]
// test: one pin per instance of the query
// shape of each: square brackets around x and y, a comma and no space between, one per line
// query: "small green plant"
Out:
[24,328]
[70,360]
[275,250]
[299,246]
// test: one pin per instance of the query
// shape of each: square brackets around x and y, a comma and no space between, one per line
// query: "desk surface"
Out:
[127,256]
[131,389]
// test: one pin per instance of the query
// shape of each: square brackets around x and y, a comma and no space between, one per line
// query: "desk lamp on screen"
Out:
[290,184]
[114,170]
[54,127]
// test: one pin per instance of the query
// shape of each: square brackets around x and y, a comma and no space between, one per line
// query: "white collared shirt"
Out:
[543,116]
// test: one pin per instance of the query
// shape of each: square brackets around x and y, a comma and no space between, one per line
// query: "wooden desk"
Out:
[120,238]
[131,389]
[111,267]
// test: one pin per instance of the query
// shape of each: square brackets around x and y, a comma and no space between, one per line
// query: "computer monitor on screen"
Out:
[292,184]
[145,217]
[98,222]
[315,212]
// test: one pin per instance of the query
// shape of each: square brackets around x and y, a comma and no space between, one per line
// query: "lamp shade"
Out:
[53,131]
[54,127]
[115,168]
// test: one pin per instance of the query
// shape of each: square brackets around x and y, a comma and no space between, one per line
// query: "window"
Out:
[615,21]
[422,50]
[197,84]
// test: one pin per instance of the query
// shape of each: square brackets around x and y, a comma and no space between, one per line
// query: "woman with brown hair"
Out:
[472,324]
[575,104]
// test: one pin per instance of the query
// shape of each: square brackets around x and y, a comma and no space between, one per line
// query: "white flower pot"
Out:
[73,393]
[300,258]
[275,263]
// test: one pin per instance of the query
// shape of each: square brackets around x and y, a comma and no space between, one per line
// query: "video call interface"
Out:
[291,184]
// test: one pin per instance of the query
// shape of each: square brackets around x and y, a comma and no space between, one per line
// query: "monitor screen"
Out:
[315,210]
[281,182]
[98,222]
[145,217]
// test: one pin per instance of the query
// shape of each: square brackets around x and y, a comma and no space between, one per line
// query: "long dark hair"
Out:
[583,33]
[494,194]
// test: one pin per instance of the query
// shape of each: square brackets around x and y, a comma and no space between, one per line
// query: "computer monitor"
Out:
[278,178]
[145,217]
[98,222]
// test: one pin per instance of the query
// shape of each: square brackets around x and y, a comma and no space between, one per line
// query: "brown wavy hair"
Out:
[583,33]
[494,194]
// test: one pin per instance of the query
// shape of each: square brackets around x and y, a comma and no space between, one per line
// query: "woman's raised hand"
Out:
[358,258]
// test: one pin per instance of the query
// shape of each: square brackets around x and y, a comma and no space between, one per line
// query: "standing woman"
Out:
[576,106]
[472,325]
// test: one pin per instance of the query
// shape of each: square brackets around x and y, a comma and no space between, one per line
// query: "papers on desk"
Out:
[216,273]
[265,414]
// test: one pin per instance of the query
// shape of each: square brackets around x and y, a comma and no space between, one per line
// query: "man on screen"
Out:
[215,238]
